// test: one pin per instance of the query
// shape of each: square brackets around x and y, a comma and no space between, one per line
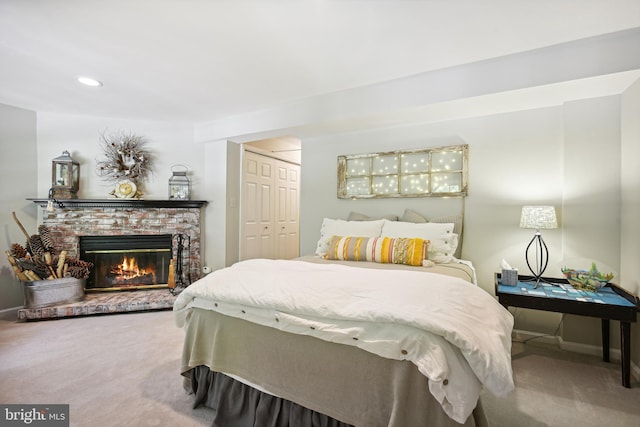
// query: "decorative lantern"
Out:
[179,186]
[65,180]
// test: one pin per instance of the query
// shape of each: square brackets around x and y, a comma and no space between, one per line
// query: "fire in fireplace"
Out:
[128,272]
[127,262]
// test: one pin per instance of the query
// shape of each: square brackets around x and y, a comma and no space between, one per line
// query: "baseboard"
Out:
[592,350]
[7,310]
[10,313]
[520,335]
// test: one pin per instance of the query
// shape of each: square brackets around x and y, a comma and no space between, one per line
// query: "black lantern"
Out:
[179,186]
[65,180]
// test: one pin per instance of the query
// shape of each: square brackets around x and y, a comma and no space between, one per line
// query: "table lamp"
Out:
[538,218]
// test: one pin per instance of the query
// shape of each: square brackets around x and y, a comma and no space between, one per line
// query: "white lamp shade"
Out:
[538,217]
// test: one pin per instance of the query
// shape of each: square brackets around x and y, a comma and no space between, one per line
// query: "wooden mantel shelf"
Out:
[123,203]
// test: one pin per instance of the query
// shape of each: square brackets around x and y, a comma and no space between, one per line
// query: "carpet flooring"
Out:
[558,388]
[123,370]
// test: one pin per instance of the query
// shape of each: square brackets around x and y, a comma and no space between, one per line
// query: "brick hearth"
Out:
[99,303]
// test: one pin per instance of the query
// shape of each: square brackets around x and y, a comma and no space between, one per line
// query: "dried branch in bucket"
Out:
[41,260]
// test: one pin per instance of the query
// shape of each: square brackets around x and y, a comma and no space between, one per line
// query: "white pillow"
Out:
[425,230]
[339,227]
[441,251]
[442,240]
[454,244]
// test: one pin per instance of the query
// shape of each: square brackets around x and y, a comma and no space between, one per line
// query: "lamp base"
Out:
[542,259]
[538,281]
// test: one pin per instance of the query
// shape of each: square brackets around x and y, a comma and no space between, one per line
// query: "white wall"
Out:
[591,197]
[232,220]
[566,156]
[218,173]
[630,206]
[19,176]
[591,180]
[630,184]
[169,143]
[514,159]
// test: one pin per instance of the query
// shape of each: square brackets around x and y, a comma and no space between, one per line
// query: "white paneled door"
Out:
[270,208]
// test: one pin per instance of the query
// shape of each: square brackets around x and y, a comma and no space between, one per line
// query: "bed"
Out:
[369,331]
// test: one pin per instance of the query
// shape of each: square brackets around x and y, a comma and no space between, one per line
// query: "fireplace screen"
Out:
[127,262]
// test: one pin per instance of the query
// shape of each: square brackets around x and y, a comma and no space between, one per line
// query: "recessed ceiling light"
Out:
[89,81]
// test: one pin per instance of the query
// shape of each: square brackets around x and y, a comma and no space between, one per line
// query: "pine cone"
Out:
[45,237]
[36,246]
[78,272]
[76,262]
[78,268]
[18,251]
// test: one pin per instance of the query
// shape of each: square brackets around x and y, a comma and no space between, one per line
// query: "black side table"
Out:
[608,303]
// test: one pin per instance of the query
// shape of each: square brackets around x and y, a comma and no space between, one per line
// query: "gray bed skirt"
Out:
[343,382]
[237,405]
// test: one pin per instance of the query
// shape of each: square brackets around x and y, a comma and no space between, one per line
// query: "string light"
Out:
[414,172]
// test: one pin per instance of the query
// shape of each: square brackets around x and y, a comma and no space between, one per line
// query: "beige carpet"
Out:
[113,370]
[557,388]
[122,370]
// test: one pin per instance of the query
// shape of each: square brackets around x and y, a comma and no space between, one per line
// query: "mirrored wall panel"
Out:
[429,172]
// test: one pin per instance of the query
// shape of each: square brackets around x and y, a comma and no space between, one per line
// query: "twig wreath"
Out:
[125,157]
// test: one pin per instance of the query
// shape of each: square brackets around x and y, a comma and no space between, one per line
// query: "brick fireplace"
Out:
[123,217]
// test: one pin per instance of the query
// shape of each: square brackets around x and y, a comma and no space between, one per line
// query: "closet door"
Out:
[287,204]
[258,207]
[270,208]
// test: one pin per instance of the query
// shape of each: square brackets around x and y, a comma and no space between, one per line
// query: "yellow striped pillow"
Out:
[398,250]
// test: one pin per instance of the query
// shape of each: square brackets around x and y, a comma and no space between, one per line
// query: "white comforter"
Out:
[457,334]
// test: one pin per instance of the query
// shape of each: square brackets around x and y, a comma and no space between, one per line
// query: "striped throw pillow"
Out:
[388,250]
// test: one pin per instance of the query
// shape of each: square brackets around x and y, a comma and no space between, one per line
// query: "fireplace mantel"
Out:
[124,203]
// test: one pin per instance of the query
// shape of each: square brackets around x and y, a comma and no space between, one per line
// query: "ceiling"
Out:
[197,61]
